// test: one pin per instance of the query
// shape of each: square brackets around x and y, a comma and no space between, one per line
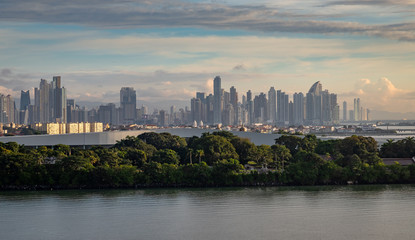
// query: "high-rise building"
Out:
[233,97]
[57,101]
[314,102]
[250,108]
[163,118]
[234,103]
[260,108]
[128,104]
[344,111]
[8,113]
[321,106]
[42,101]
[218,100]
[196,110]
[298,108]
[209,109]
[282,108]
[107,114]
[24,100]
[272,105]
[357,112]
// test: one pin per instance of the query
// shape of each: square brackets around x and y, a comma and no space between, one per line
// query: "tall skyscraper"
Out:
[260,108]
[298,108]
[234,102]
[218,100]
[250,108]
[128,104]
[282,108]
[57,101]
[7,109]
[42,101]
[344,111]
[319,106]
[272,105]
[196,110]
[357,114]
[24,99]
[163,118]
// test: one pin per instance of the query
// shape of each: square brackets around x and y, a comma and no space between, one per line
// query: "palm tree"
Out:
[190,153]
[200,153]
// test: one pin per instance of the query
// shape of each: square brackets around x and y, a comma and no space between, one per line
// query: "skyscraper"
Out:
[344,111]
[234,103]
[356,108]
[282,108]
[298,108]
[314,104]
[24,99]
[128,103]
[42,101]
[260,108]
[218,101]
[272,105]
[7,109]
[196,110]
[57,101]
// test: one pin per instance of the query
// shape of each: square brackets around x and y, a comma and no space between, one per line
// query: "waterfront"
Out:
[346,212]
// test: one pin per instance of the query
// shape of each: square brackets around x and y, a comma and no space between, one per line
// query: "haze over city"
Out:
[169,50]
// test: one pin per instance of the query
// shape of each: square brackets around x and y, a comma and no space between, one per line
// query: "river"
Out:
[345,212]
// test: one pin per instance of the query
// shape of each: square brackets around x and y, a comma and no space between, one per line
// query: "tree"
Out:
[166,156]
[137,157]
[135,143]
[225,172]
[293,143]
[246,150]
[264,155]
[200,153]
[163,140]
[216,148]
[281,155]
[309,143]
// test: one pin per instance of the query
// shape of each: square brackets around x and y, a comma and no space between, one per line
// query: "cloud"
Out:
[239,67]
[373,2]
[12,82]
[175,13]
[383,95]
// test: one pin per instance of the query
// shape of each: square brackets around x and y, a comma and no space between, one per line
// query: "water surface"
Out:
[347,212]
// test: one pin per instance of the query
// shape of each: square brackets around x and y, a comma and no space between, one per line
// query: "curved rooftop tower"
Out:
[316,89]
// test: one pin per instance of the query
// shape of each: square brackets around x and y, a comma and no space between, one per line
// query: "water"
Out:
[348,212]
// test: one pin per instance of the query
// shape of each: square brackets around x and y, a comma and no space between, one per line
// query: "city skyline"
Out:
[173,49]
[218,106]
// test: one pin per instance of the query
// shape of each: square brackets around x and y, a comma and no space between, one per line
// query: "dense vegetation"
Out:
[217,159]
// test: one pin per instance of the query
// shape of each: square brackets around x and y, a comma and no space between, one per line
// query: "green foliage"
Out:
[163,140]
[281,156]
[225,172]
[245,149]
[166,156]
[293,143]
[216,148]
[153,159]
[404,148]
[328,147]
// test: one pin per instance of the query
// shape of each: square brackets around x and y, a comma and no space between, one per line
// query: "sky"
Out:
[169,50]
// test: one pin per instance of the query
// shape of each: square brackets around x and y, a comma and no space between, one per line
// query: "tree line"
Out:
[213,159]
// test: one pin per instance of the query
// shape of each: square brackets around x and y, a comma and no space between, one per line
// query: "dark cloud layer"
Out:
[12,80]
[176,13]
[372,2]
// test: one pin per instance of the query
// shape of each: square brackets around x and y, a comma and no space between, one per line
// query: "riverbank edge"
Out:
[173,186]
